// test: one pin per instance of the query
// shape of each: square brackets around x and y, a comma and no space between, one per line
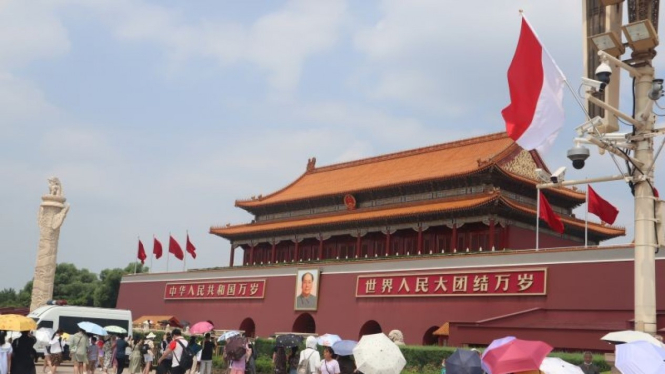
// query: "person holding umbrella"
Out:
[293,361]
[5,354]
[279,360]
[23,354]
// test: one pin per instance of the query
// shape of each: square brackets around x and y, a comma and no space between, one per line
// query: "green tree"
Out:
[106,294]
[8,297]
[77,286]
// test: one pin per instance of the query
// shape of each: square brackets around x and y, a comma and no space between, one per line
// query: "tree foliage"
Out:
[77,286]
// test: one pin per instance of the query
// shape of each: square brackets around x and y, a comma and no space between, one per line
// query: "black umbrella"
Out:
[464,362]
[289,340]
[235,348]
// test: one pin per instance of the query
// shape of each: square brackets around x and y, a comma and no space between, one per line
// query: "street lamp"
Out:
[641,35]
[608,42]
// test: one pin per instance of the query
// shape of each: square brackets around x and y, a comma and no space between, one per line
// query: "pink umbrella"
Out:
[516,355]
[201,327]
[495,343]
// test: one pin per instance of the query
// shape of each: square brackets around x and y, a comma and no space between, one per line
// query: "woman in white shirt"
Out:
[5,354]
[328,365]
[56,350]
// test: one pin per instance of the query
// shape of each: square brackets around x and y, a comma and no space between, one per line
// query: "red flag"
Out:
[190,247]
[535,114]
[600,207]
[157,249]
[547,214]
[174,248]
[141,255]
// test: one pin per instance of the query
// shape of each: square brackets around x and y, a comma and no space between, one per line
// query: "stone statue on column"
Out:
[52,213]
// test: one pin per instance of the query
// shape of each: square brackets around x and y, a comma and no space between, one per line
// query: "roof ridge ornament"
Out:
[311,164]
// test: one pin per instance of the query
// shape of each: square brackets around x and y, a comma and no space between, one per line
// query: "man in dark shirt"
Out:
[120,354]
[587,366]
[206,354]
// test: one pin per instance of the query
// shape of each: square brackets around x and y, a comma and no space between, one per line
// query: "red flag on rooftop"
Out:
[190,248]
[600,207]
[535,114]
[141,255]
[157,248]
[547,215]
[175,249]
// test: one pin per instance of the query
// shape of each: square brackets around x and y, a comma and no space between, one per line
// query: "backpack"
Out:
[186,359]
[303,366]
[65,352]
[144,349]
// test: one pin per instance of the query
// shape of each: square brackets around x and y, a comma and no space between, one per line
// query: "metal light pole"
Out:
[645,233]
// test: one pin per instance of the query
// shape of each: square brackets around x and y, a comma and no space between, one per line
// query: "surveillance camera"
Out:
[603,73]
[542,175]
[595,85]
[558,175]
[578,154]
[656,91]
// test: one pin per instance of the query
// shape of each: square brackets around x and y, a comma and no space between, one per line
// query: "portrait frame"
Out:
[307,303]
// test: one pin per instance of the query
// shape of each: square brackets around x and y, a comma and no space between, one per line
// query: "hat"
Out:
[151,336]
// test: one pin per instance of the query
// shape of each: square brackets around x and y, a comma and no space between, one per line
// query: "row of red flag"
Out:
[174,248]
[595,205]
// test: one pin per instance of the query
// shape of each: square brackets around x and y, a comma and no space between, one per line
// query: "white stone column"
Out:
[52,213]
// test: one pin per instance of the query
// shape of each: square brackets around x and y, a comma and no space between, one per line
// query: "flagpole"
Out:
[586,218]
[168,254]
[139,237]
[538,218]
[153,253]
[184,263]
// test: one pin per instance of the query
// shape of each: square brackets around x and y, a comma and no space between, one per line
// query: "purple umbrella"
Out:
[495,344]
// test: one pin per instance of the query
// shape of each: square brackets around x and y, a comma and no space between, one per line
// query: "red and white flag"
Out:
[189,247]
[548,215]
[535,114]
[141,254]
[174,248]
[600,207]
[157,248]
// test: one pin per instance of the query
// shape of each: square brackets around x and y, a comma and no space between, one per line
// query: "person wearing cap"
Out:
[176,347]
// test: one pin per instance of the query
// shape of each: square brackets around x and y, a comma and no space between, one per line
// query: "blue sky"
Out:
[157,115]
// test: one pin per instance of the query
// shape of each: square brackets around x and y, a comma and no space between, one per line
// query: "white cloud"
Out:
[278,43]
[30,30]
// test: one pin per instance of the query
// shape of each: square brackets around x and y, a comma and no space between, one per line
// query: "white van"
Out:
[68,317]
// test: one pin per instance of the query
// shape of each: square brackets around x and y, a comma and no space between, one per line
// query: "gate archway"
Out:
[304,324]
[248,326]
[370,327]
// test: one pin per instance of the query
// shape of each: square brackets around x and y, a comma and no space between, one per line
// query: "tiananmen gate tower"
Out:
[438,242]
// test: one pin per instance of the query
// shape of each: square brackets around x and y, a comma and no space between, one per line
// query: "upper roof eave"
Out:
[504,147]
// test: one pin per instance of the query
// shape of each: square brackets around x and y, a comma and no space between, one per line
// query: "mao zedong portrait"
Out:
[306,300]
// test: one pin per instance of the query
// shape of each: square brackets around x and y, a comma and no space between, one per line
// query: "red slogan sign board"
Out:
[522,282]
[232,289]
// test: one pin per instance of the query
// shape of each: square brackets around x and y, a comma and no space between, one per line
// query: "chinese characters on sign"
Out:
[527,282]
[232,289]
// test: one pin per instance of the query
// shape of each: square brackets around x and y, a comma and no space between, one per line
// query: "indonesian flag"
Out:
[141,254]
[600,207]
[190,247]
[547,215]
[157,248]
[174,248]
[535,114]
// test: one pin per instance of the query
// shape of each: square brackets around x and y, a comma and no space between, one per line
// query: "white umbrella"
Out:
[328,339]
[43,335]
[555,365]
[377,354]
[628,336]
[115,329]
[227,335]
[640,357]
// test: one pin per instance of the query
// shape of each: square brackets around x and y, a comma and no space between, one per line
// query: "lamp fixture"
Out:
[609,42]
[641,35]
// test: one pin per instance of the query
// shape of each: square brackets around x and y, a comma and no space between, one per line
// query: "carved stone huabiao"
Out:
[52,213]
